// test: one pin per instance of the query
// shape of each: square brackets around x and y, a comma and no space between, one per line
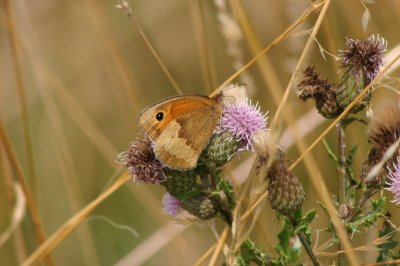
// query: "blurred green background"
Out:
[87,73]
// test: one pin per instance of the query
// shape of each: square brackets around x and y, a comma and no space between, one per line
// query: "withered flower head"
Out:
[142,163]
[361,62]
[324,93]
[365,54]
[384,130]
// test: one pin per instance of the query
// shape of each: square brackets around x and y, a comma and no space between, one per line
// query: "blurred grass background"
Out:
[87,74]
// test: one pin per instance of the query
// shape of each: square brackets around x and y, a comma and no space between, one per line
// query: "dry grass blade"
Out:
[276,41]
[68,227]
[124,5]
[17,216]
[12,36]
[306,51]
[32,208]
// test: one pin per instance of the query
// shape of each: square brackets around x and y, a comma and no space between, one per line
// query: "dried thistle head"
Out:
[384,128]
[365,54]
[141,162]
[383,131]
[361,62]
[324,93]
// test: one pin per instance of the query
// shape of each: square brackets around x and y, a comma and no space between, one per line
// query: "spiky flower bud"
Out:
[179,183]
[383,131]
[222,147]
[324,93]
[285,192]
[361,62]
[142,163]
[200,206]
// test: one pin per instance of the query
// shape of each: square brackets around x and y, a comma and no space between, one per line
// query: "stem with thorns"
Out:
[367,195]
[343,182]
[304,241]
[222,208]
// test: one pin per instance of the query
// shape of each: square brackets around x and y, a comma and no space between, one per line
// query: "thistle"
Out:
[324,93]
[393,181]
[141,162]
[285,192]
[361,62]
[242,119]
[383,131]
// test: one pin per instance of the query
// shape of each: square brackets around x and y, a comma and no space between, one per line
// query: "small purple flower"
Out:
[242,119]
[141,163]
[394,182]
[172,205]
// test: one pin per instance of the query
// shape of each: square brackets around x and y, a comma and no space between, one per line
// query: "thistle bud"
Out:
[285,192]
[200,206]
[179,184]
[221,149]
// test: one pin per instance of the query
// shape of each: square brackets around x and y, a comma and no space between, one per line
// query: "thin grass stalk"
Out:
[69,226]
[207,61]
[18,237]
[12,36]
[124,5]
[219,246]
[130,86]
[276,41]
[268,73]
[32,208]
[304,55]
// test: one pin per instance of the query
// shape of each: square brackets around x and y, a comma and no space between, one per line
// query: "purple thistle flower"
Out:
[242,119]
[394,182]
[365,54]
[141,163]
[172,206]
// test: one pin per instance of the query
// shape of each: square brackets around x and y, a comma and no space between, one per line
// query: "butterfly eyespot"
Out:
[159,116]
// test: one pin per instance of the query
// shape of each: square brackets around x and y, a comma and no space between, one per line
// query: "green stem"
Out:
[343,182]
[367,195]
[223,209]
[304,241]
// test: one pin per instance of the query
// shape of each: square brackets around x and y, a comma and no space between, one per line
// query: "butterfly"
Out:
[180,127]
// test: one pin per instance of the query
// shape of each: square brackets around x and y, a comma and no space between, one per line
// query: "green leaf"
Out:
[288,250]
[386,249]
[249,253]
[370,217]
[330,152]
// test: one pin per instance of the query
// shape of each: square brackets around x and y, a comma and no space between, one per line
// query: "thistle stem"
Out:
[367,195]
[223,209]
[343,182]
[304,241]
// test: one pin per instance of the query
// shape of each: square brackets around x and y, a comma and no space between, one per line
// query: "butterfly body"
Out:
[180,128]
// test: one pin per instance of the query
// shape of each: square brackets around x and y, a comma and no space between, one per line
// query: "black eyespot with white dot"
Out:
[160,116]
